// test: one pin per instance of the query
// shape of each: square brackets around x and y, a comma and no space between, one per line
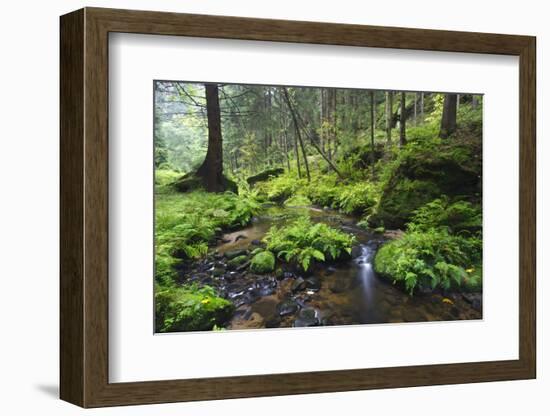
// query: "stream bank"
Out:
[346,292]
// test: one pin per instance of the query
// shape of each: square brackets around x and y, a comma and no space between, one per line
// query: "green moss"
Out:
[263,262]
[192,182]
[190,308]
[423,171]
[265,175]
[298,201]
[237,261]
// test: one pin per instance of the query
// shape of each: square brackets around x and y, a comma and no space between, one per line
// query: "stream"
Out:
[341,293]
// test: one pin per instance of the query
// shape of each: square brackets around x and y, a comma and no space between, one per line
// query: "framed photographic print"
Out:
[258,207]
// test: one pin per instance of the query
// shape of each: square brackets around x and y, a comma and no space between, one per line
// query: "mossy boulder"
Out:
[192,182]
[263,262]
[236,262]
[423,174]
[265,175]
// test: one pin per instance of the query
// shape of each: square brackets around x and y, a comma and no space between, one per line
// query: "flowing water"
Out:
[344,293]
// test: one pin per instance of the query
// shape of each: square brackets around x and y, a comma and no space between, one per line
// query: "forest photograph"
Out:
[288,206]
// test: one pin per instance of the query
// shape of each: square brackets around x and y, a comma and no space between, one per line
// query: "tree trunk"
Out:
[211,169]
[448,119]
[389,105]
[402,121]
[474,102]
[372,124]
[298,135]
[415,107]
[422,107]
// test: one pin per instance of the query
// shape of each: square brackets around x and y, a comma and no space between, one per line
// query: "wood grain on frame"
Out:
[84,207]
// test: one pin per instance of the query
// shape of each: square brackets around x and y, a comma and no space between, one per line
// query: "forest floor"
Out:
[290,252]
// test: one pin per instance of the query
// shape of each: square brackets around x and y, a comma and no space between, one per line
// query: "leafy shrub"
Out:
[302,242]
[280,188]
[190,308]
[457,216]
[323,192]
[429,259]
[357,198]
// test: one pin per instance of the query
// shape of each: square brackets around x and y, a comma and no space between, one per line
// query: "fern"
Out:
[303,242]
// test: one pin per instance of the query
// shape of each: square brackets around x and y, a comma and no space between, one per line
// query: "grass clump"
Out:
[190,308]
[303,242]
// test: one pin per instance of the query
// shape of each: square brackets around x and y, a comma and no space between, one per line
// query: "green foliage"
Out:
[302,242]
[280,188]
[456,217]
[429,259]
[298,201]
[165,179]
[422,171]
[263,262]
[357,198]
[190,308]
[186,223]
[322,190]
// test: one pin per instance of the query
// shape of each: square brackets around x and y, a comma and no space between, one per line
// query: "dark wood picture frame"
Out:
[84,207]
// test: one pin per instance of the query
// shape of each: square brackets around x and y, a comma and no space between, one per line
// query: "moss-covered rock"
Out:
[263,262]
[265,175]
[236,262]
[191,182]
[422,174]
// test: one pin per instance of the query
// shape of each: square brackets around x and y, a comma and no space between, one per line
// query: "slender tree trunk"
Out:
[415,107]
[298,135]
[448,119]
[297,155]
[372,124]
[330,121]
[285,138]
[389,115]
[474,102]
[457,102]
[422,107]
[211,169]
[321,117]
[402,121]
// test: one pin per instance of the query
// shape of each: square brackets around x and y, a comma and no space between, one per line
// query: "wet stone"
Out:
[256,242]
[307,317]
[356,251]
[217,271]
[339,285]
[298,284]
[313,283]
[231,254]
[287,307]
